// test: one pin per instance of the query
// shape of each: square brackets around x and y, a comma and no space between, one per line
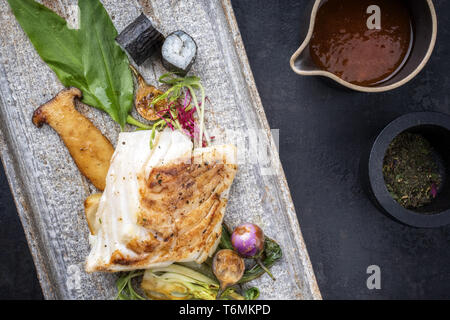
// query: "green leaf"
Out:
[251,293]
[225,239]
[88,58]
[106,66]
[272,253]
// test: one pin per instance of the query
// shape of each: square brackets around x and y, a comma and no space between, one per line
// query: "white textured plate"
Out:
[49,190]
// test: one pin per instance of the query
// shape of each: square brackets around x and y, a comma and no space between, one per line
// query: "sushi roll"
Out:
[140,39]
[178,52]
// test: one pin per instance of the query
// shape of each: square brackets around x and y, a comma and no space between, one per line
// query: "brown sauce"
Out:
[343,44]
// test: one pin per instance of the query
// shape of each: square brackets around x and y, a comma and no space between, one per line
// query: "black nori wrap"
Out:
[140,39]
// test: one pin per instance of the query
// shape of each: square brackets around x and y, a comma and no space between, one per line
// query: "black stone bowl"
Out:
[435,127]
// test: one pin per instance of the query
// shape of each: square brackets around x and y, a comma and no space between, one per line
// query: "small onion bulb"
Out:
[248,240]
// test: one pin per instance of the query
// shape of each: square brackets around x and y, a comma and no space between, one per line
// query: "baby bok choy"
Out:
[177,282]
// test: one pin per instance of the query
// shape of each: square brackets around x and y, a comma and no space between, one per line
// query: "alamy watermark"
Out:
[374,20]
[254,147]
[374,279]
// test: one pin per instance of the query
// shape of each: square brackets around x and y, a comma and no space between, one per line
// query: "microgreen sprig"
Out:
[179,113]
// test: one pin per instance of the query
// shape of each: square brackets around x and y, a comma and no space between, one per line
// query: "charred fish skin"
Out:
[162,206]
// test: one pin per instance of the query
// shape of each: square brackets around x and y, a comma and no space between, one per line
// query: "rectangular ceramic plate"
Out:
[49,190]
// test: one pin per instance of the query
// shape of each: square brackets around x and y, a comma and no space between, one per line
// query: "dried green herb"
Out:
[410,171]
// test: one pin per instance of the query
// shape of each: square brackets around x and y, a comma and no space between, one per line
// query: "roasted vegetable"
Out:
[90,209]
[271,254]
[90,150]
[176,282]
[140,39]
[228,267]
[145,94]
[248,240]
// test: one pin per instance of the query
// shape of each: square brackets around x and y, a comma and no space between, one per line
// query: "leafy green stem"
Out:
[137,123]
[272,253]
[125,290]
[261,264]
[156,125]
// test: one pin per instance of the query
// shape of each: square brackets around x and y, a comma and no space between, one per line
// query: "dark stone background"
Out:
[323,132]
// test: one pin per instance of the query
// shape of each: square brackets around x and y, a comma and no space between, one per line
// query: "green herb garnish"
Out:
[182,103]
[125,290]
[177,84]
[87,58]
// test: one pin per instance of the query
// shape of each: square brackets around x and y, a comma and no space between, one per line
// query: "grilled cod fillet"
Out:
[162,205]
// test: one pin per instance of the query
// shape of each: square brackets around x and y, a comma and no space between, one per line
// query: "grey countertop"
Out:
[323,132]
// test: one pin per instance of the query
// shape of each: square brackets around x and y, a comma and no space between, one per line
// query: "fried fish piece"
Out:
[90,209]
[89,148]
[161,205]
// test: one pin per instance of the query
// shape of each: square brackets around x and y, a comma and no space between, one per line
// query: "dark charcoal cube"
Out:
[140,39]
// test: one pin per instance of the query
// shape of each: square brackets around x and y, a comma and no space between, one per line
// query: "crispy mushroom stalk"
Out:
[145,93]
[90,209]
[90,150]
